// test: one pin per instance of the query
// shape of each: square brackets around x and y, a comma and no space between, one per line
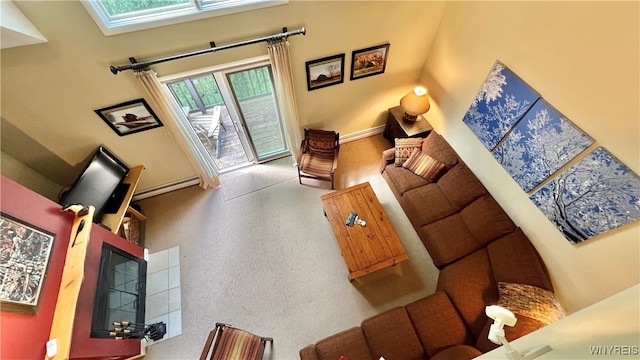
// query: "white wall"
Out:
[583,58]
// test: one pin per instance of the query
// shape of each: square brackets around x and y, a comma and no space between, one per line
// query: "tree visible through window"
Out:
[118,7]
[119,16]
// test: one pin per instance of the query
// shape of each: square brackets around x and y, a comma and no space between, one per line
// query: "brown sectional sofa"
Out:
[475,245]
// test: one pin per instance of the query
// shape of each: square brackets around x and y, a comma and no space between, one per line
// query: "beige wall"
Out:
[28,177]
[583,58]
[49,91]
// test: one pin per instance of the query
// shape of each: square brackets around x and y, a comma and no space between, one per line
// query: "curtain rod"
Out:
[135,65]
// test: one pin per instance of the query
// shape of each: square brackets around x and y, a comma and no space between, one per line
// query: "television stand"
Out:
[114,221]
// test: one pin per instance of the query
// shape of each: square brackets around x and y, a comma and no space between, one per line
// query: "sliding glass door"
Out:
[234,112]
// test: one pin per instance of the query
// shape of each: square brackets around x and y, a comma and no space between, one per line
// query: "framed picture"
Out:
[24,257]
[368,62]
[325,72]
[129,117]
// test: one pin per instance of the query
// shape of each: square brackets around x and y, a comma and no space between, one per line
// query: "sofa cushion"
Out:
[514,259]
[448,240]
[461,186]
[349,343]
[437,323]
[438,148]
[404,148]
[486,220]
[460,352]
[392,336]
[426,204]
[470,285]
[424,166]
[402,180]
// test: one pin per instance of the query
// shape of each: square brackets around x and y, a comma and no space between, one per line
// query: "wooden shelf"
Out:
[72,277]
[114,221]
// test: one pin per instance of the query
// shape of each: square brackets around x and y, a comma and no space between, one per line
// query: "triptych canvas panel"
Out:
[500,103]
[533,141]
[596,195]
[539,145]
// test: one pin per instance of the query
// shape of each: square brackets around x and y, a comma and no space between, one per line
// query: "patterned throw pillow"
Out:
[424,165]
[405,147]
[530,301]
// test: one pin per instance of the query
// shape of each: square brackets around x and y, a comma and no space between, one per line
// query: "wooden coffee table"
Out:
[366,248]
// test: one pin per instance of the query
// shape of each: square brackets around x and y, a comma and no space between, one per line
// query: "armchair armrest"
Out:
[335,159]
[388,157]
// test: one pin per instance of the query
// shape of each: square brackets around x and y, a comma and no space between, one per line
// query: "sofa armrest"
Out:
[388,157]
[309,353]
[349,343]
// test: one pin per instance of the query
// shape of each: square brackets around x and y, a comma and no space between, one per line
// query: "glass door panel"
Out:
[254,93]
[121,291]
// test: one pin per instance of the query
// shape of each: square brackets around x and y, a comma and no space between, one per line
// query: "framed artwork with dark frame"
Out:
[370,61]
[24,257]
[325,72]
[129,117]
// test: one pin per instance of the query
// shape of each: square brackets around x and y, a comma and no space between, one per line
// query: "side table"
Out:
[397,128]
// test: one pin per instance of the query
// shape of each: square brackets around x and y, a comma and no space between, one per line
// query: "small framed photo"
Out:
[370,61]
[129,117]
[325,72]
[24,258]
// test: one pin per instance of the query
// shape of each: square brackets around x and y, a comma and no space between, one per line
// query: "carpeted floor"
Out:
[259,254]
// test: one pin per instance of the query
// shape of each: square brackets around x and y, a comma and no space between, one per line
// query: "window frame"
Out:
[148,19]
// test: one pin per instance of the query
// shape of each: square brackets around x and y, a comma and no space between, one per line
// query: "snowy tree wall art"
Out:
[596,195]
[499,104]
[539,145]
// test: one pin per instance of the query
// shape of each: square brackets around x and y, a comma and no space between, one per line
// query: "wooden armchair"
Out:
[318,155]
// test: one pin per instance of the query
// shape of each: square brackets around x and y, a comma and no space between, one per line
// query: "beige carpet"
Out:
[259,254]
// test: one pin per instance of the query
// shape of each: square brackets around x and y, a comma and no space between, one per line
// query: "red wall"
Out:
[24,336]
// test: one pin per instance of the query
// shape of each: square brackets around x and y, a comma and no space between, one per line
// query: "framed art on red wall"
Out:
[24,257]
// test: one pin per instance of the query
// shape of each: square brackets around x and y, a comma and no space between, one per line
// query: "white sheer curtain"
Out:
[283,77]
[188,141]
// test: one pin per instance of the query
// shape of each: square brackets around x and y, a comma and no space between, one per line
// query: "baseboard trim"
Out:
[362,134]
[163,189]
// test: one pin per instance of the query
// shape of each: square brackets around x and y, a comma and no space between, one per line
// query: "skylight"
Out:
[121,16]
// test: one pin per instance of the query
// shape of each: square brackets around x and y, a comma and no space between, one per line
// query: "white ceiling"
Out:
[15,28]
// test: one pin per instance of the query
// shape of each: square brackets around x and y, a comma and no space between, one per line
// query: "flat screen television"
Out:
[99,184]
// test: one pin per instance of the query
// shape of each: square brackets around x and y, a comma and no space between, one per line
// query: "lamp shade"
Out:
[415,103]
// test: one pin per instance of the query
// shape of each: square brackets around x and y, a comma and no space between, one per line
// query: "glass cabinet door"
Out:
[120,295]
